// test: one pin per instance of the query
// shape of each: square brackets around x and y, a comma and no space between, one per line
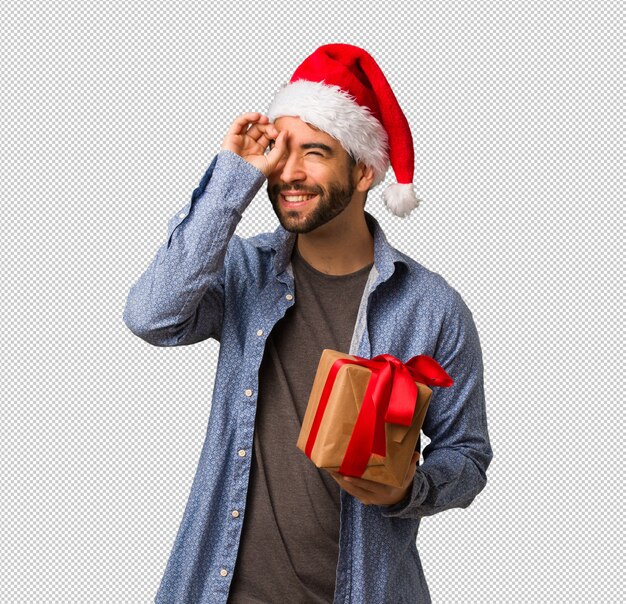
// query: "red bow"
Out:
[391,396]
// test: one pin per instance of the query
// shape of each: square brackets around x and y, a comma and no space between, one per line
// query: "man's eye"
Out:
[315,153]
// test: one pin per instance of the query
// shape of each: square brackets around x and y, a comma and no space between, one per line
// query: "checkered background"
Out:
[111,113]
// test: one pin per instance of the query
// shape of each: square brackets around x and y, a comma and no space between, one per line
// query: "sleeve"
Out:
[459,452]
[179,298]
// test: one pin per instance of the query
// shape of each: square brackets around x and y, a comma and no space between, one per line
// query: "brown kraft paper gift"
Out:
[341,414]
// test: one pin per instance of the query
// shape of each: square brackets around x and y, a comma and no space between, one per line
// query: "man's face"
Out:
[313,183]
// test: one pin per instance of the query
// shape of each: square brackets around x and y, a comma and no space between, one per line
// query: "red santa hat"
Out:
[341,90]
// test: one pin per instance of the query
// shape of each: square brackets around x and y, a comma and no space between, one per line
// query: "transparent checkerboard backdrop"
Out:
[111,113]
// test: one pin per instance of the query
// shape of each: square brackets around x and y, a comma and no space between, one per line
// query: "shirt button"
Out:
[259,332]
[182,215]
[235,514]
[289,297]
[242,453]
[223,572]
[247,392]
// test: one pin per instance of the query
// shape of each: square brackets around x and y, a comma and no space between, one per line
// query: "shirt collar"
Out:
[385,256]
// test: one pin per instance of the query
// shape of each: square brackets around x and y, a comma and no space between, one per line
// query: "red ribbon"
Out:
[391,396]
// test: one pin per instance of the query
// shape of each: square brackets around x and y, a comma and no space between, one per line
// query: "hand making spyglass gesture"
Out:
[249,137]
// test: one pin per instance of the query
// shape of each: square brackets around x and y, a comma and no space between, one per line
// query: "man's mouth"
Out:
[299,199]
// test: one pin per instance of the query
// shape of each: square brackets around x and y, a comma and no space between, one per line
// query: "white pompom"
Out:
[401,199]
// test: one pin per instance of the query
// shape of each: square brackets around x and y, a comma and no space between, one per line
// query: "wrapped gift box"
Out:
[327,429]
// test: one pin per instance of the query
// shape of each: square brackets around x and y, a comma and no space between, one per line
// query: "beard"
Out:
[330,203]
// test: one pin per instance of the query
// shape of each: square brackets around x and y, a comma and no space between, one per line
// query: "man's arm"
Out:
[457,458]
[179,299]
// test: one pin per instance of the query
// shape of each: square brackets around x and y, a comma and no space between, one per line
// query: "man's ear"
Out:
[365,177]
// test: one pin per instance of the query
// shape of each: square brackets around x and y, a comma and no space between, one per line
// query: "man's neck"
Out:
[339,247]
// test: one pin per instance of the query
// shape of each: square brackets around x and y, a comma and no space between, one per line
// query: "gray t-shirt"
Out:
[290,535]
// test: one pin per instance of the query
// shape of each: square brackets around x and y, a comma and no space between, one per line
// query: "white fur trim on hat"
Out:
[335,112]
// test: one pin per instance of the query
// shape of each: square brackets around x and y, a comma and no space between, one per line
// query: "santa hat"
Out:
[341,90]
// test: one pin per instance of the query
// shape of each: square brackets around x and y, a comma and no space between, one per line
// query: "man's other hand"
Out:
[250,135]
[375,493]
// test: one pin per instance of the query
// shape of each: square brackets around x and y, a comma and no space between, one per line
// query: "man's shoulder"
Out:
[424,285]
[418,272]
[416,282]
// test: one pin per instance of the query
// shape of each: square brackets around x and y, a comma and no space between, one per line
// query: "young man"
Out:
[262,523]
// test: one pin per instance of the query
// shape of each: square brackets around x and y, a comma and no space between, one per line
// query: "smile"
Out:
[296,200]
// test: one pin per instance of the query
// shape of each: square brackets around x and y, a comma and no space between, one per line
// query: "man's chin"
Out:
[294,227]
[292,224]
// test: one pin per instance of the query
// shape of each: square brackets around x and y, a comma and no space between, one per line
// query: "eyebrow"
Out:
[316,146]
[305,146]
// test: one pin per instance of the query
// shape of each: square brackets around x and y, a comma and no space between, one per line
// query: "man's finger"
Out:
[361,484]
[278,150]
[259,133]
[364,496]
[241,123]
[351,488]
[369,486]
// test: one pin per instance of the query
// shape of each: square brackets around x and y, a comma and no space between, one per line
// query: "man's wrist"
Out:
[241,160]
[406,497]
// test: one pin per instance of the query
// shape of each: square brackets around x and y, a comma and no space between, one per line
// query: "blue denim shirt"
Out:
[207,282]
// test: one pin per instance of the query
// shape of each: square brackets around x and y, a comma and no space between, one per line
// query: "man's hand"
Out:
[375,493]
[249,137]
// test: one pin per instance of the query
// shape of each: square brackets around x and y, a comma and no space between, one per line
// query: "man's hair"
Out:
[351,164]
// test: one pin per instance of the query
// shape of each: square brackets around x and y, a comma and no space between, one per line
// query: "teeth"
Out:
[297,197]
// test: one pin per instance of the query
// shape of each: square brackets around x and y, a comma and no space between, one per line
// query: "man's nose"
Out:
[293,169]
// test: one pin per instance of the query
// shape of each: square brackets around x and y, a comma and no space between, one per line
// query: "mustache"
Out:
[276,189]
